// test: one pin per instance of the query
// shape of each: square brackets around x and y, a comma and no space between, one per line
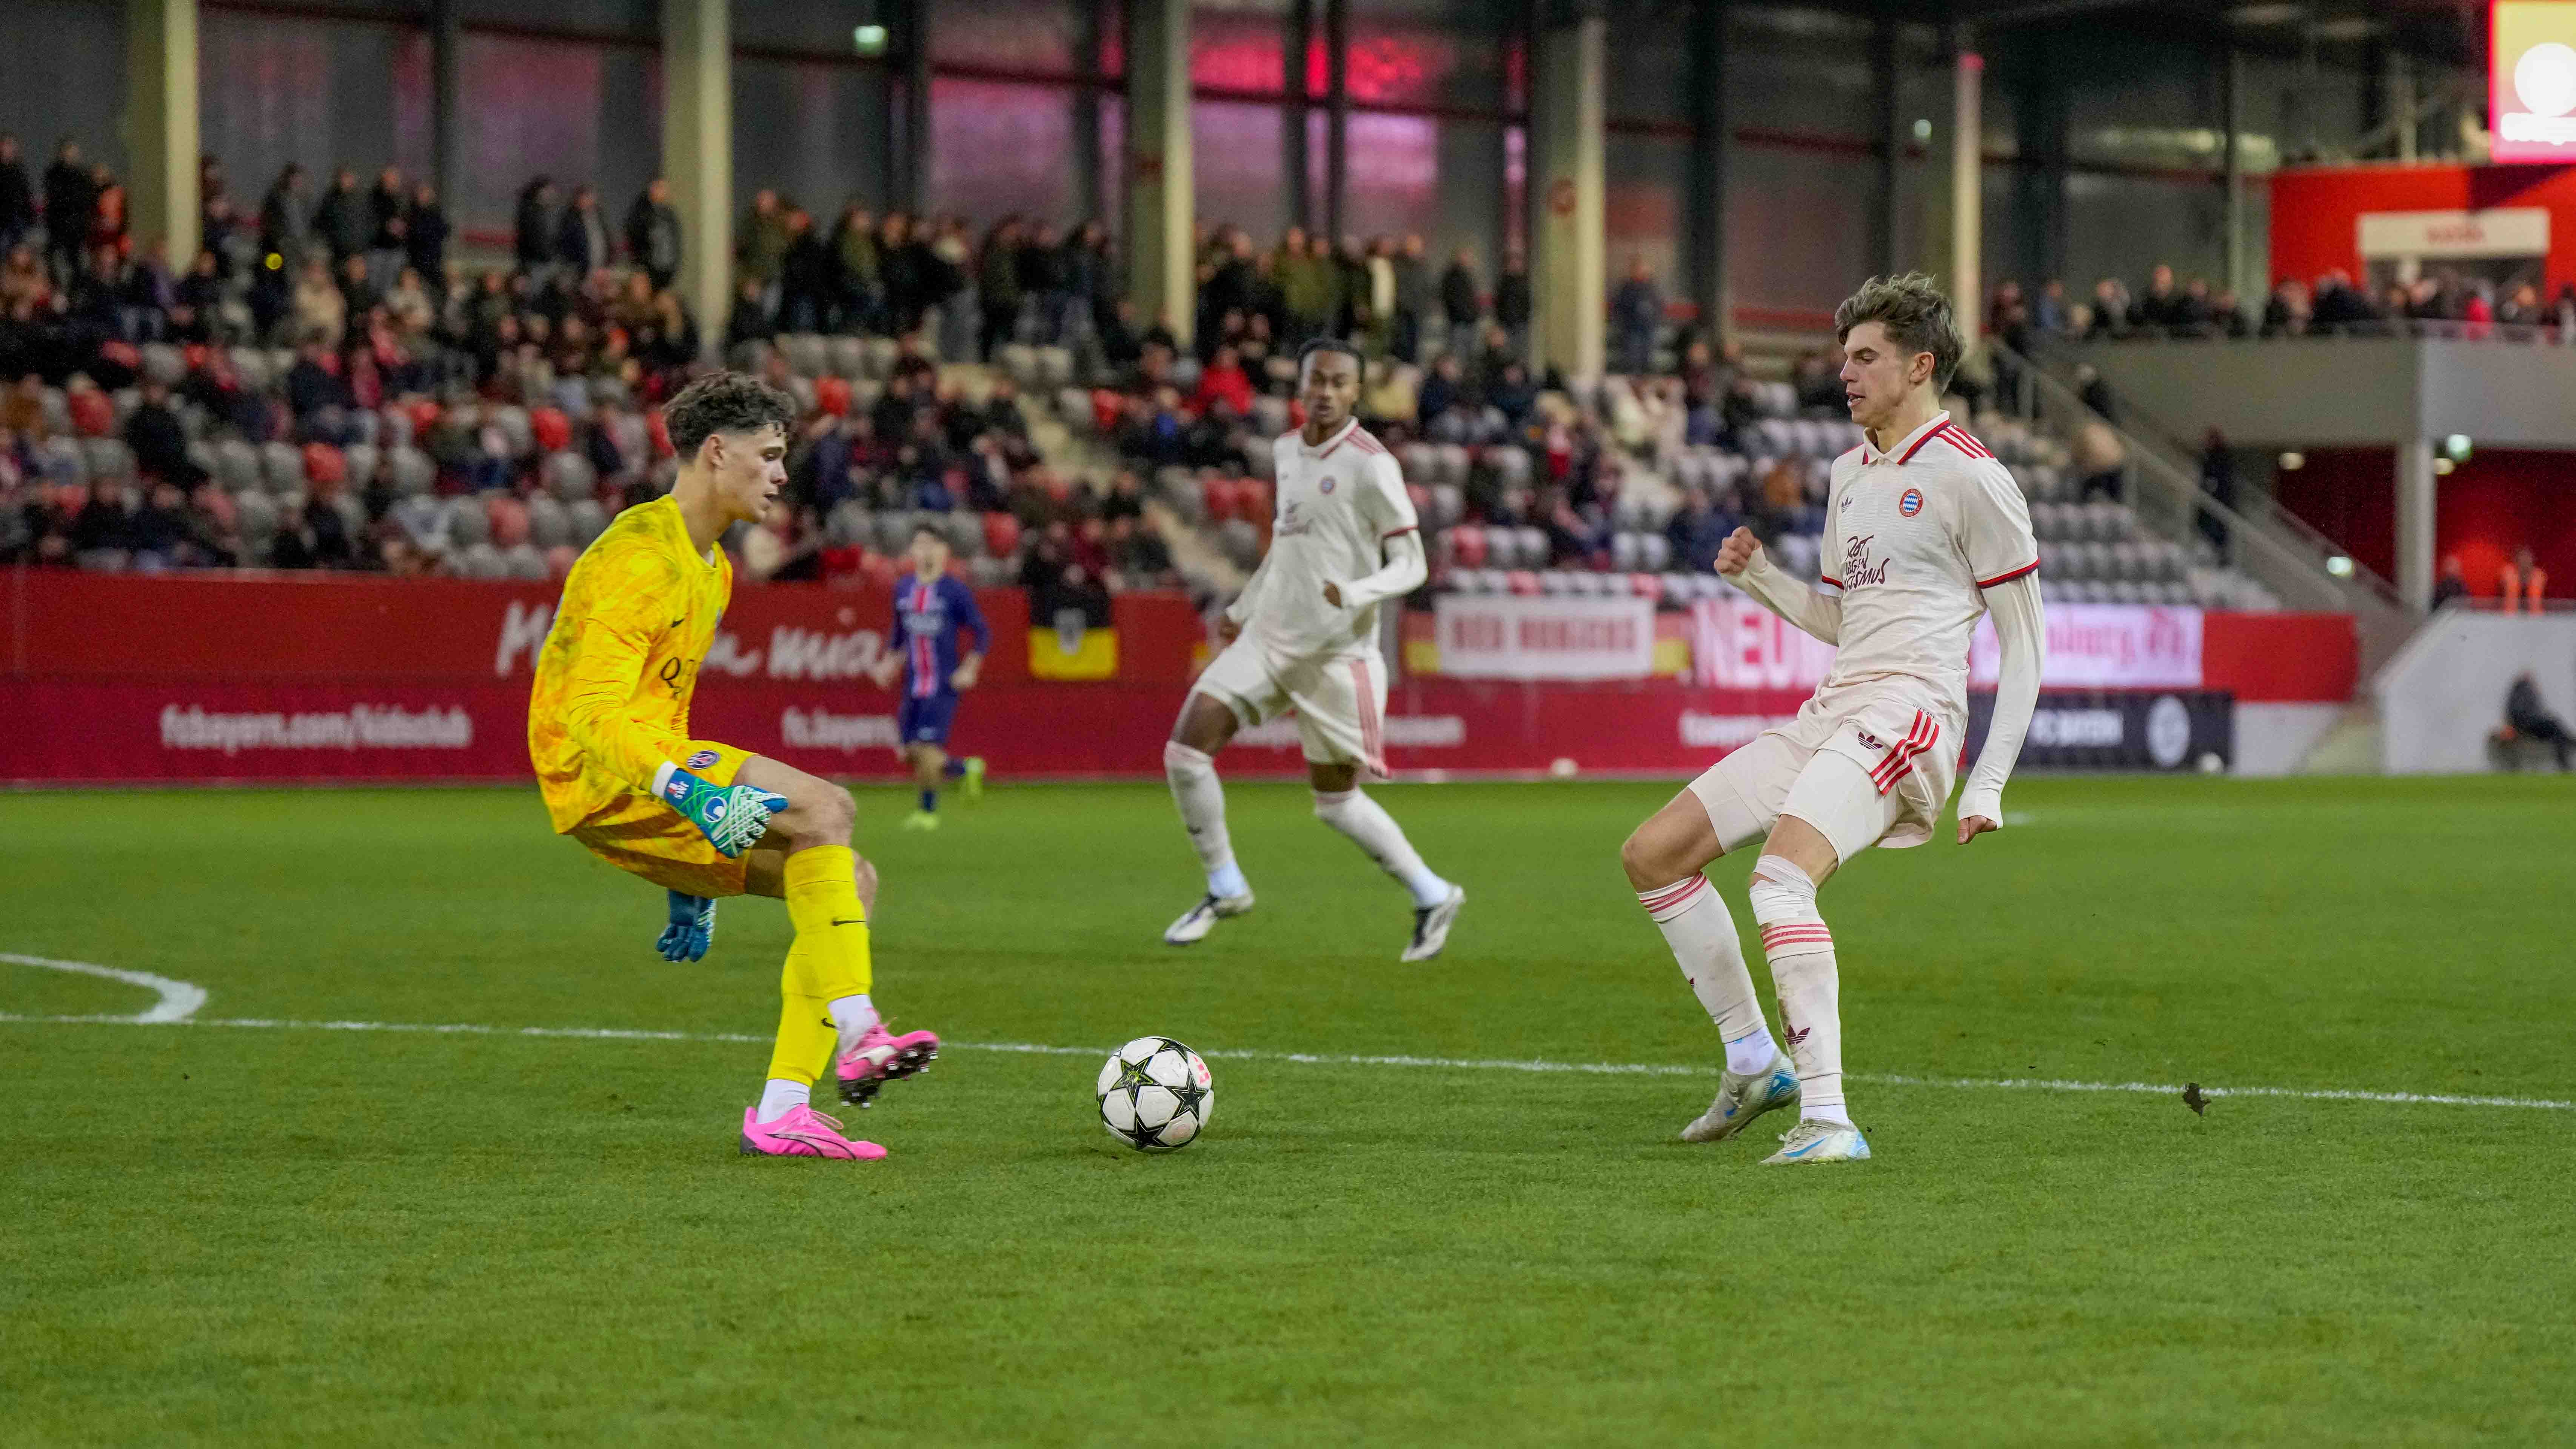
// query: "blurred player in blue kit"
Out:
[930,608]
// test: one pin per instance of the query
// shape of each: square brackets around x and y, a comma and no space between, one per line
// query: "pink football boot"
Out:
[801,1132]
[879,1057]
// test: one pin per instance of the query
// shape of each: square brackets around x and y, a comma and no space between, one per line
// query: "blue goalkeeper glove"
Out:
[731,817]
[692,929]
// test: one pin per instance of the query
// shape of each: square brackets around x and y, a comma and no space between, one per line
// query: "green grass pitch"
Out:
[271,1235]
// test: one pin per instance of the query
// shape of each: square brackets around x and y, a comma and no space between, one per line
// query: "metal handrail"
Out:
[2185,490]
[2381,329]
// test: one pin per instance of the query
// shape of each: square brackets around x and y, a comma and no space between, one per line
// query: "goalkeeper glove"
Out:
[730,817]
[692,928]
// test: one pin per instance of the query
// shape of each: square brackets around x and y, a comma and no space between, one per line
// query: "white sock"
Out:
[1201,798]
[1697,925]
[782,1096]
[1368,825]
[853,1015]
[1801,952]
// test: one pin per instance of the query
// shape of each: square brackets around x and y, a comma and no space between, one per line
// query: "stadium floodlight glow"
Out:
[2456,447]
[1922,128]
[2293,462]
[870,39]
[2531,80]
[2442,467]
[2339,566]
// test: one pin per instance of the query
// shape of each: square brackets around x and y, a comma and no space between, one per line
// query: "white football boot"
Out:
[1741,1097]
[1815,1141]
[1431,925]
[1200,919]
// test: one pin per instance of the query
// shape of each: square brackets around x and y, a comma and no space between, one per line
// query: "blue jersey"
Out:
[927,616]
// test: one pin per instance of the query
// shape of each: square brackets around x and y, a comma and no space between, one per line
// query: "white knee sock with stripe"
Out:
[1201,798]
[1801,952]
[1697,925]
[1368,825]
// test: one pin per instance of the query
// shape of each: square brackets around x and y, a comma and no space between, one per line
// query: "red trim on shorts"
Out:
[1371,752]
[2005,578]
[1900,761]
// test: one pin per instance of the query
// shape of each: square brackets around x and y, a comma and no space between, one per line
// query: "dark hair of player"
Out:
[923,526]
[1916,315]
[1314,345]
[724,402]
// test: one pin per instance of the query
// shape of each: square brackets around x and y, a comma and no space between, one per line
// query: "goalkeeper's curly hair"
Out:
[724,402]
[1916,314]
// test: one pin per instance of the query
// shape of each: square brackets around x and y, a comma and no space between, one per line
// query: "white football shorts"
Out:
[1340,699]
[1864,765]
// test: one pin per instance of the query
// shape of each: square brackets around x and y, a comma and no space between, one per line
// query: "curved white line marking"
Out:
[179,1000]
[1317,1059]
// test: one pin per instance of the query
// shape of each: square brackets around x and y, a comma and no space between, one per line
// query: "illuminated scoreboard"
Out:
[2531,80]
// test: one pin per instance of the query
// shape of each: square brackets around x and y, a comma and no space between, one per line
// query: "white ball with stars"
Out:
[1155,1094]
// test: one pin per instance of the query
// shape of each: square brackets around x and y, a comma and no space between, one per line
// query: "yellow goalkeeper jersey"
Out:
[611,701]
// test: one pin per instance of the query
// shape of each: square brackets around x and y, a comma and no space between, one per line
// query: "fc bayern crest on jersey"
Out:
[1326,485]
[1912,503]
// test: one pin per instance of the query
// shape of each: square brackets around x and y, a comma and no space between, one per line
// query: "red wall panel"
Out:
[2316,210]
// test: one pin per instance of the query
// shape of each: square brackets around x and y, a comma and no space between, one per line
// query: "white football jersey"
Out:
[1911,537]
[1337,505]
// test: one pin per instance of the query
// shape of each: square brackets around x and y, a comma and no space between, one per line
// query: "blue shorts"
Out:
[924,719]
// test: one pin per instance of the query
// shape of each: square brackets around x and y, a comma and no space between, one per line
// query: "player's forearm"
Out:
[1791,597]
[1403,572]
[597,708]
[2020,630]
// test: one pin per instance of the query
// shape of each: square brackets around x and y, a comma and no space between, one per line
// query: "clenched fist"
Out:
[1736,554]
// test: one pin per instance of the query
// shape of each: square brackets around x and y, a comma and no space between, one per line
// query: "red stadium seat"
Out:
[424,416]
[559,560]
[1467,546]
[552,430]
[1255,495]
[832,395]
[1224,500]
[1646,586]
[194,354]
[881,570]
[93,413]
[325,469]
[1105,408]
[1421,497]
[661,432]
[1001,535]
[1523,582]
[509,520]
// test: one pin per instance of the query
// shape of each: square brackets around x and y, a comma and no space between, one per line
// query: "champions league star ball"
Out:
[1155,1094]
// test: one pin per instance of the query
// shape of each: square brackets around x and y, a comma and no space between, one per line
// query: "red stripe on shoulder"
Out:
[1366,443]
[1961,441]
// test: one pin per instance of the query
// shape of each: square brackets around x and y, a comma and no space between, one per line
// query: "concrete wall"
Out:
[2299,392]
[2441,697]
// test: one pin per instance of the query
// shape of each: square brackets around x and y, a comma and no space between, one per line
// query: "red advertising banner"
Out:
[108,679]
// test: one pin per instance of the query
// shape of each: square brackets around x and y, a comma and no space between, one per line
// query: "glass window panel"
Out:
[593,114]
[1425,52]
[321,93]
[63,74]
[1036,36]
[2121,226]
[1797,235]
[1242,47]
[998,147]
[1238,155]
[1641,206]
[815,132]
[1799,71]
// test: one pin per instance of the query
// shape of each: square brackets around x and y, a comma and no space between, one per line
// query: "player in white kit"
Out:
[1924,532]
[1303,636]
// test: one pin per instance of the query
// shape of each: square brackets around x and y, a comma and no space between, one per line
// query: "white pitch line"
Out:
[178,1002]
[1322,1059]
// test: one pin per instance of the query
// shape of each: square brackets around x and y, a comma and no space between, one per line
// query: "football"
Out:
[1155,1094]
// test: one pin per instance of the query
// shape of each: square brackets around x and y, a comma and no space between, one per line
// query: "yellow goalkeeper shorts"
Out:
[639,833]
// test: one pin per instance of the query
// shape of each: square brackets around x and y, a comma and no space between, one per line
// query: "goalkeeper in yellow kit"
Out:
[608,730]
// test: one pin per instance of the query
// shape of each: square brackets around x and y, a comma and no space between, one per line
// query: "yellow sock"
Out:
[806,1035]
[831,925]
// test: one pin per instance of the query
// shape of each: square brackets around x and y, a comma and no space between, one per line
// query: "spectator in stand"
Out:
[285,229]
[102,534]
[357,291]
[805,276]
[1042,281]
[2049,312]
[341,220]
[388,225]
[762,251]
[71,204]
[17,195]
[2218,484]
[158,533]
[2160,308]
[750,319]
[998,286]
[196,301]
[2339,306]
[2526,716]
[1512,301]
[653,233]
[2288,312]
[425,236]
[1091,273]
[2453,584]
[2520,307]
[581,238]
[1223,380]
[1461,299]
[1412,297]
[858,280]
[533,227]
[2522,582]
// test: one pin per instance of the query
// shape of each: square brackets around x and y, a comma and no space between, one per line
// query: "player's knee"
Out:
[867,883]
[828,816]
[1781,889]
[1183,761]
